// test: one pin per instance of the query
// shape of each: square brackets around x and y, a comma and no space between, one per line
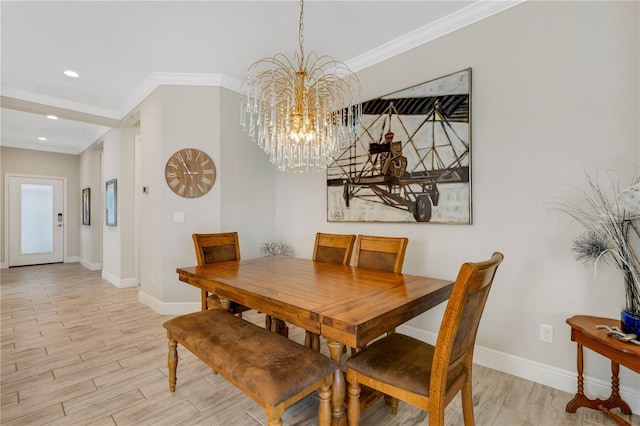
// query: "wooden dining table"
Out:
[346,305]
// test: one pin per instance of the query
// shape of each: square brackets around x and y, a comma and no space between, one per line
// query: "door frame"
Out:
[137,177]
[7,203]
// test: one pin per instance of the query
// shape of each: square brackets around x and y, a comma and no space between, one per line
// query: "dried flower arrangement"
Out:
[275,248]
[609,216]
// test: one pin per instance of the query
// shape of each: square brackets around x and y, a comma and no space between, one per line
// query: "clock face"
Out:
[190,173]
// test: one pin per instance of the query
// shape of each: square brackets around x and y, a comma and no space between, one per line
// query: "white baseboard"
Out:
[3,265]
[90,266]
[168,308]
[534,371]
[119,282]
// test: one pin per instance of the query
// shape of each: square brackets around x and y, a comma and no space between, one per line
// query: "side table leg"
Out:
[614,400]
[580,400]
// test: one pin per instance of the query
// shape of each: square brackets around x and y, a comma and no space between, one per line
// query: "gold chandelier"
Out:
[301,112]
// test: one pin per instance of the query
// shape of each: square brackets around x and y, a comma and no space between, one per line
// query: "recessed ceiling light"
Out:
[42,138]
[52,117]
[71,73]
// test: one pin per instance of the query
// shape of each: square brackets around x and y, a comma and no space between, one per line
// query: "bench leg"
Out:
[392,402]
[274,415]
[324,409]
[172,362]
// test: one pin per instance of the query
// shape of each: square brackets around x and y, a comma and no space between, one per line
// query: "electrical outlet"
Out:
[546,333]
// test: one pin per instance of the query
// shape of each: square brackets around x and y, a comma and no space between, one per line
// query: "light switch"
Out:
[178,217]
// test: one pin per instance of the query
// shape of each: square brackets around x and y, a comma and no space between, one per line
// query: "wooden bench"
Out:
[273,370]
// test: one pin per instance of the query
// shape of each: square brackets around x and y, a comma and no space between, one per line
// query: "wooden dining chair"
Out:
[330,248]
[421,374]
[382,253]
[214,248]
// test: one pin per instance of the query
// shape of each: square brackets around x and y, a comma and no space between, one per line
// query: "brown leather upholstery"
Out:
[421,374]
[330,254]
[215,254]
[382,253]
[380,362]
[214,248]
[268,367]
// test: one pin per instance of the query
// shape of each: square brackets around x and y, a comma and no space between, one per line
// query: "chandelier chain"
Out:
[301,33]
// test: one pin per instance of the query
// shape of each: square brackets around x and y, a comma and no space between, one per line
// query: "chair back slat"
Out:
[462,315]
[469,321]
[381,253]
[213,248]
[333,248]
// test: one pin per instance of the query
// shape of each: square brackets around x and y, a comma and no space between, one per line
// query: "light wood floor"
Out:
[78,351]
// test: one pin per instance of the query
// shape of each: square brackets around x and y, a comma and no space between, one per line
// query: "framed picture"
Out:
[111,202]
[86,206]
[411,161]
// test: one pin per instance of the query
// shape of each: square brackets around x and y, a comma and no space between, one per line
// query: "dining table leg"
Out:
[338,390]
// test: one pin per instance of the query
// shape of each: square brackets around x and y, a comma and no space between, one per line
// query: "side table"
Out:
[584,333]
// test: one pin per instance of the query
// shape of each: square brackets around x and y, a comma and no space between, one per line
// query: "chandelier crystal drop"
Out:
[301,111]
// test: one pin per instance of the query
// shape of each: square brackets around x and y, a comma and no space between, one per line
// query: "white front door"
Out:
[36,220]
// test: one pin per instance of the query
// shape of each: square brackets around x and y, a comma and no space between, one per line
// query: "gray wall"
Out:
[555,91]
[247,181]
[242,198]
[41,163]
[118,241]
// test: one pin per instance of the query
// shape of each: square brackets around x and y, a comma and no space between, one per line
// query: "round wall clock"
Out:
[190,173]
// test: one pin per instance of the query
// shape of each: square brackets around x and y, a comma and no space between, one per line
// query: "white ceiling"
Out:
[124,49]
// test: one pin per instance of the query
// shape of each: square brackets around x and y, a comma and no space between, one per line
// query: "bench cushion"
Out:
[271,366]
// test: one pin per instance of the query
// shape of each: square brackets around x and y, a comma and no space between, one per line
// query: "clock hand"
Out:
[187,168]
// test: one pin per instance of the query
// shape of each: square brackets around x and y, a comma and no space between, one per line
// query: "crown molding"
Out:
[40,147]
[450,23]
[157,79]
[36,98]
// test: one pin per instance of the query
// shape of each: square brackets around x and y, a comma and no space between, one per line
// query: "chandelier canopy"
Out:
[301,111]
